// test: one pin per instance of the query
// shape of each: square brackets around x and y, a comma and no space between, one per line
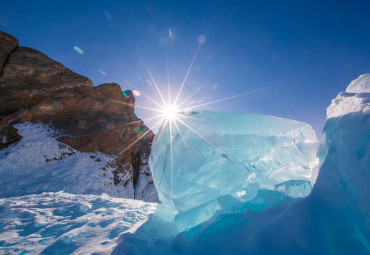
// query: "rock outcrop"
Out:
[28,76]
[8,45]
[100,118]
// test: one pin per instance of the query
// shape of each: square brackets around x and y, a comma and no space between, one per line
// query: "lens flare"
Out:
[102,72]
[170,112]
[78,49]
[136,93]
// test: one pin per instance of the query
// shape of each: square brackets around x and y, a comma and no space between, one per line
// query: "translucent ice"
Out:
[229,154]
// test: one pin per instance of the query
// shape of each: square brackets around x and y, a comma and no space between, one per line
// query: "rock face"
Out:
[8,45]
[28,75]
[8,135]
[36,88]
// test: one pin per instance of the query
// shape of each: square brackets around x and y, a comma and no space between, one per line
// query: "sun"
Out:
[170,112]
[173,112]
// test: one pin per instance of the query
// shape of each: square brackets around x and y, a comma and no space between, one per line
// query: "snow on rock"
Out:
[229,154]
[63,223]
[144,188]
[356,98]
[39,163]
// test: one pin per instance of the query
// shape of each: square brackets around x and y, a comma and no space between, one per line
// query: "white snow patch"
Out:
[355,99]
[360,85]
[63,223]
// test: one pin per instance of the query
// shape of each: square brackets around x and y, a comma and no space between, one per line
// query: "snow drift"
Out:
[62,223]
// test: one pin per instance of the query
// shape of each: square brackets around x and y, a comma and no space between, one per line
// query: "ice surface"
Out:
[333,219]
[62,223]
[229,154]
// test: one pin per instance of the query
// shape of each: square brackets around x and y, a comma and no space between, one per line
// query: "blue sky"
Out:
[308,50]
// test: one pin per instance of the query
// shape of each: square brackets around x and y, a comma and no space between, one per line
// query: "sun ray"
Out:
[191,95]
[155,84]
[190,117]
[135,105]
[138,139]
[141,120]
[171,159]
[135,87]
[187,74]
[235,96]
[144,94]
[209,142]
[182,136]
[168,80]
[164,125]
[197,133]
[206,140]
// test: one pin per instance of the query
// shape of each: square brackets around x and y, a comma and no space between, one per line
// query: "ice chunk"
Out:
[235,154]
[335,219]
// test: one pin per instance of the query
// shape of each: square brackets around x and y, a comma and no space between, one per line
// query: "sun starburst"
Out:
[171,113]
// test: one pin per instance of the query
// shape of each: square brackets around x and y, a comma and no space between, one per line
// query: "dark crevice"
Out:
[136,162]
[7,60]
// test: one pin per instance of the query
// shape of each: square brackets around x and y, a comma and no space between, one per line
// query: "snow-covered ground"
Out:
[63,223]
[57,200]
[39,163]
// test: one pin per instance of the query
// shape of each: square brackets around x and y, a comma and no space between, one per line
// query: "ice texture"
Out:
[218,154]
[333,219]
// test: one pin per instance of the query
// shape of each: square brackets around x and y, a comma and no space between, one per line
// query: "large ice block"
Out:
[218,154]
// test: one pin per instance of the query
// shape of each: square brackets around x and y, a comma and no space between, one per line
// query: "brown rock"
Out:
[28,75]
[8,135]
[95,118]
[38,89]
[8,45]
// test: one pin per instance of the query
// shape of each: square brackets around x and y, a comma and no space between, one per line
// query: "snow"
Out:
[356,98]
[229,154]
[63,223]
[360,85]
[39,163]
[145,189]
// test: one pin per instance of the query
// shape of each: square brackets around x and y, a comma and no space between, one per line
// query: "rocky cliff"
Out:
[37,89]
